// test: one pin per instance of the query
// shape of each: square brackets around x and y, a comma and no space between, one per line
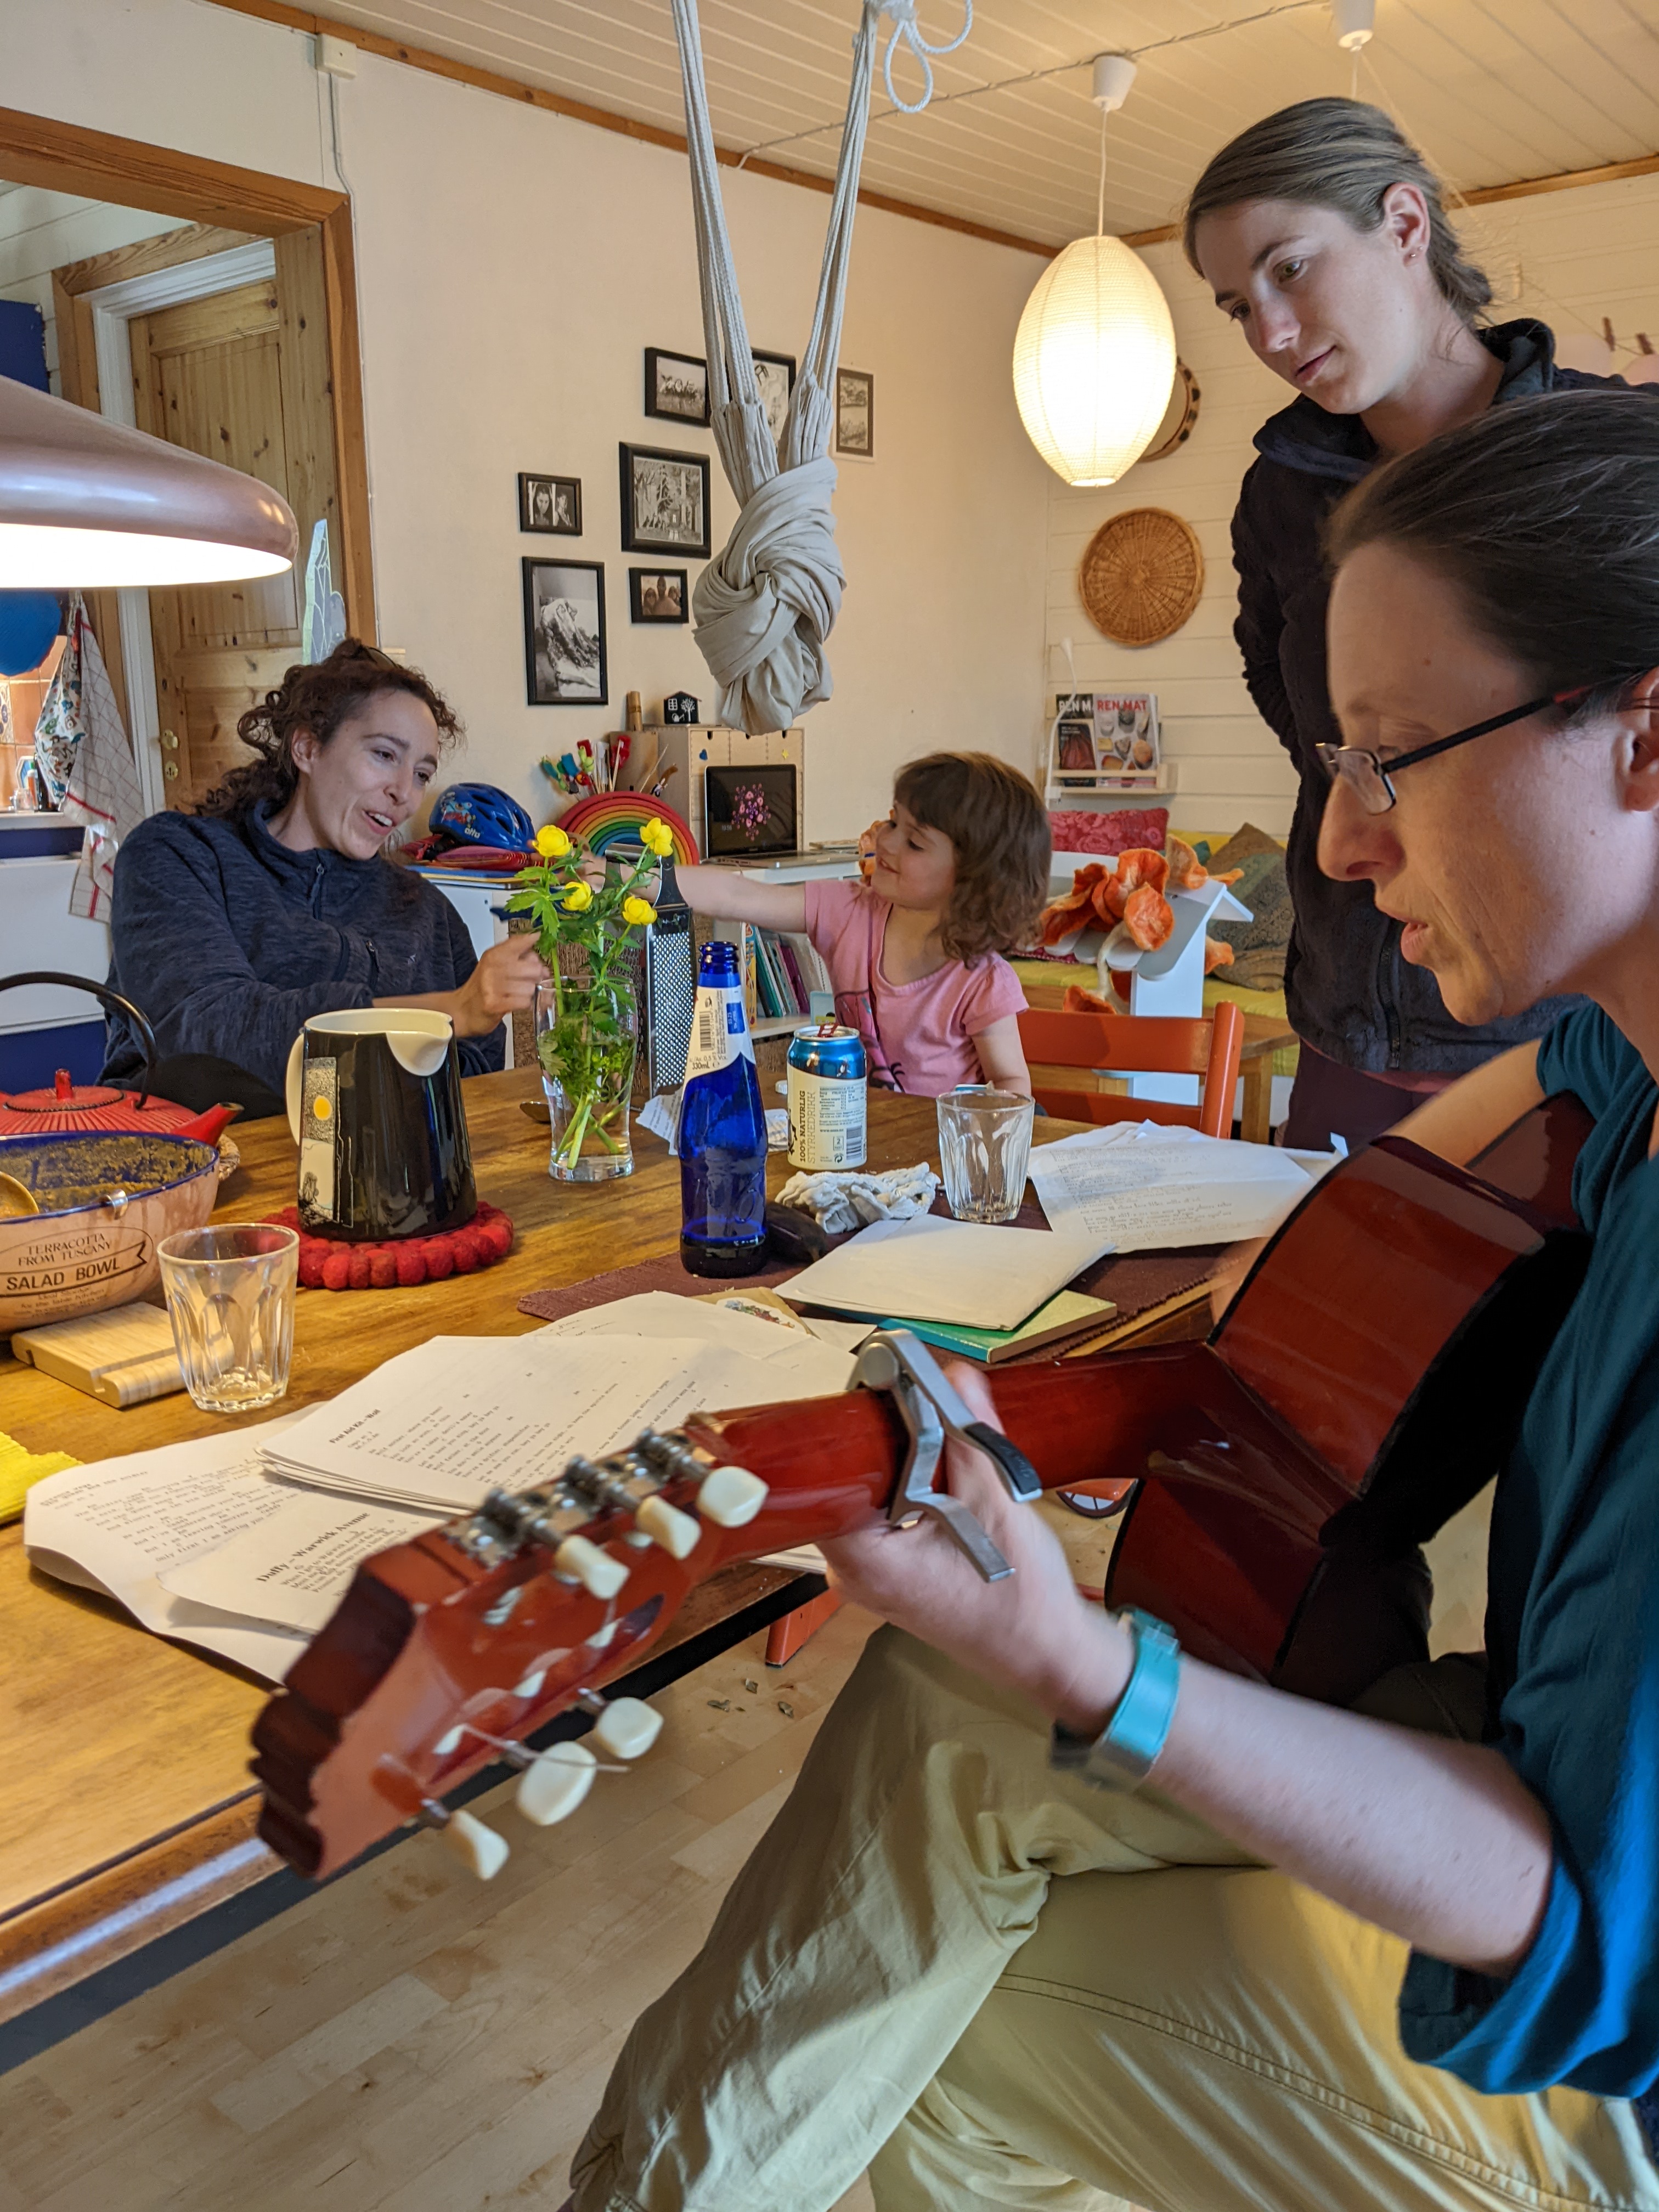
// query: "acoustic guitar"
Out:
[1364,1383]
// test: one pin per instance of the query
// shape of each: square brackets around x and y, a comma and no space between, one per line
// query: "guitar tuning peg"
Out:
[583,1561]
[625,1727]
[664,1524]
[555,1784]
[478,1848]
[730,1496]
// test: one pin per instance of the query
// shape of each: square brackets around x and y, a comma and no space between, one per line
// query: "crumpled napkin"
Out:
[843,1199]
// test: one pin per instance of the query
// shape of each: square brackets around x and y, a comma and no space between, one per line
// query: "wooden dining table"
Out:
[129,1807]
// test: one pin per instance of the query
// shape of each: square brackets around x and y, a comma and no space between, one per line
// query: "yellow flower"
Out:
[657,837]
[578,897]
[551,841]
[638,911]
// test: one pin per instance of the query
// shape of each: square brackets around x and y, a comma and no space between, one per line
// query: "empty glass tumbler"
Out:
[230,1298]
[984,1142]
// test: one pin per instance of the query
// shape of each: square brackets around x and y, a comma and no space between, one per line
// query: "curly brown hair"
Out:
[317,697]
[997,827]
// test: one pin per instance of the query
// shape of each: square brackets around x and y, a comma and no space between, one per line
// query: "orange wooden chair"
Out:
[1206,1045]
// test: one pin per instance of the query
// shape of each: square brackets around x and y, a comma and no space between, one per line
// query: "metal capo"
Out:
[895,1361]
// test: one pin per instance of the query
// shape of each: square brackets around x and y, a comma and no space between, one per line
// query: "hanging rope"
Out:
[767,603]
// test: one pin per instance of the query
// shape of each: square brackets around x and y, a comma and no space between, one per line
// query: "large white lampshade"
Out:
[1094,361]
[85,501]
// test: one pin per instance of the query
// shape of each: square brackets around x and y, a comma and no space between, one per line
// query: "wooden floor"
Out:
[410,2040]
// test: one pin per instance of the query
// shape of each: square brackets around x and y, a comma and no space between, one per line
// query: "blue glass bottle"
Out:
[722,1135]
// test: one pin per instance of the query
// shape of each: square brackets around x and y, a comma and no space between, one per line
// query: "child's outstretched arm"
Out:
[1001,1058]
[722,892]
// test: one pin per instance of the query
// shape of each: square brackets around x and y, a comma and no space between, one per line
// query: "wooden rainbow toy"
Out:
[606,817]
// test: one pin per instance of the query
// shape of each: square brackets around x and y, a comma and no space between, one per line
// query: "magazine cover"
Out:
[1100,733]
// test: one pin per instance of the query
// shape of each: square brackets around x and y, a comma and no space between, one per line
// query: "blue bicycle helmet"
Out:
[479,814]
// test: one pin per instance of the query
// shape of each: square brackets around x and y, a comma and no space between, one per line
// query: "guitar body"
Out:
[1364,1385]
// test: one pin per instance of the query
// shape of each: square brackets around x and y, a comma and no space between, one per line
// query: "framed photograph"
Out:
[665,502]
[774,373]
[565,633]
[676,385]
[659,595]
[855,414]
[552,505]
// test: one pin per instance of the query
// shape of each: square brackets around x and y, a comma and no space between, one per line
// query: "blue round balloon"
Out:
[29,623]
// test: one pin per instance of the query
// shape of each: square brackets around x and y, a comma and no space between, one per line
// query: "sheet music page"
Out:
[116,1525]
[819,1366]
[291,1569]
[1145,1187]
[440,1427]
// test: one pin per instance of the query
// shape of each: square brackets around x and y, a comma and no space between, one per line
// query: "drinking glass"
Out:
[230,1298]
[984,1142]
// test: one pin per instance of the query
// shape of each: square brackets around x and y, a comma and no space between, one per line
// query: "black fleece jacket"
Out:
[229,943]
[1347,989]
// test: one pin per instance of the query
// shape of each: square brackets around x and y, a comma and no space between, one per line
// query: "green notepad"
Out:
[1067,1315]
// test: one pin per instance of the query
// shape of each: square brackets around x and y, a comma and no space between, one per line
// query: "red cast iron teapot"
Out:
[70,1106]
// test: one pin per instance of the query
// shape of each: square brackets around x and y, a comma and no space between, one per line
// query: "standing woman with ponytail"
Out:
[1322,232]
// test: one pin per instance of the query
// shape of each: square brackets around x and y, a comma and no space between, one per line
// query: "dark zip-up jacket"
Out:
[229,943]
[1347,990]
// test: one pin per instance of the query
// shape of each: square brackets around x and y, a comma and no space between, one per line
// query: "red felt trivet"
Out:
[328,1265]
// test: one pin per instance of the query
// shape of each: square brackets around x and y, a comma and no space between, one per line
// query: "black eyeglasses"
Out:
[1371,783]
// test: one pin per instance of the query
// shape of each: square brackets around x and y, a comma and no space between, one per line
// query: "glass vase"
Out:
[585,1035]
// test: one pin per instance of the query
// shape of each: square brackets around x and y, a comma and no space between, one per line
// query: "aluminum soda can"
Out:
[827,1071]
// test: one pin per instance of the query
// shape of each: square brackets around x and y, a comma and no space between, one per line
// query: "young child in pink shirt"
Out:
[915,956]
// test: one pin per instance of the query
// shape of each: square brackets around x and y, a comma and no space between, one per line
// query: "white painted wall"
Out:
[513,267]
[40,231]
[1569,257]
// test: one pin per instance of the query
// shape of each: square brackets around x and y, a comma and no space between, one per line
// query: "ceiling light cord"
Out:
[1100,217]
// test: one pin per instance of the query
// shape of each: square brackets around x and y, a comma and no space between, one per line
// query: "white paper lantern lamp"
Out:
[1095,352]
[1094,361]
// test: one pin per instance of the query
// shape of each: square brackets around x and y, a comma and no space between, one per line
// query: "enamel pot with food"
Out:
[105,1198]
[375,1104]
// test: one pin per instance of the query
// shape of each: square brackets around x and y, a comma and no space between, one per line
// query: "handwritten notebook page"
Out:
[1147,1188]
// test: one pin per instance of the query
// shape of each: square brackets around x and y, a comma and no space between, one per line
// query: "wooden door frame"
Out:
[67,157]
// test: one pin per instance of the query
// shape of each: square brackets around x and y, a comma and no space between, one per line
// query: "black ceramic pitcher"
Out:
[375,1104]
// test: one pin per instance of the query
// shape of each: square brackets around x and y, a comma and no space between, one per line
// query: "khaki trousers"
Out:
[994,1986]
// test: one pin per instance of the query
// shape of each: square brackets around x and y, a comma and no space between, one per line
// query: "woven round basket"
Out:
[1142,575]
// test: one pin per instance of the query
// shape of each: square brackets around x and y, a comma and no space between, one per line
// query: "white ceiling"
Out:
[1493,90]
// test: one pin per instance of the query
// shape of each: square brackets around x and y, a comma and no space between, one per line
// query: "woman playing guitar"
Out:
[1404,1954]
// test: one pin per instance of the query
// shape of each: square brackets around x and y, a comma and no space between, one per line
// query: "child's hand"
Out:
[867,850]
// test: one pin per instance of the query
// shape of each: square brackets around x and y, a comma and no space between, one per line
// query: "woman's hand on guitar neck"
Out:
[1031,1633]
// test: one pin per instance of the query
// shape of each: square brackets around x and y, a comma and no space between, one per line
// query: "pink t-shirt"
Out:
[919,1036]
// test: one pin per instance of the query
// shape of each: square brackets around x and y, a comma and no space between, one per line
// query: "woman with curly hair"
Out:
[274,901]
[915,956]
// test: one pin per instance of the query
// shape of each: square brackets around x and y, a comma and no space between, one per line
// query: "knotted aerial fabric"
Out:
[765,605]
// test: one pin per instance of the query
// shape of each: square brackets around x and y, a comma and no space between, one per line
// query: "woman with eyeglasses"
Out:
[1403,1955]
[1322,232]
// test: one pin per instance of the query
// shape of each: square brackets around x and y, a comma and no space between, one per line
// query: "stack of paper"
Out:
[1142,1185]
[244,1544]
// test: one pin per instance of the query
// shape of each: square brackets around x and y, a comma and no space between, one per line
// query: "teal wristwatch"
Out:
[1121,1755]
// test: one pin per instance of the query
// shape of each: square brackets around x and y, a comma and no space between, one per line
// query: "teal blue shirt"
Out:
[1573,1638]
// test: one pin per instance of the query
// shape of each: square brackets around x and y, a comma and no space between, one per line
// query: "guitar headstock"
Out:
[447,1652]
